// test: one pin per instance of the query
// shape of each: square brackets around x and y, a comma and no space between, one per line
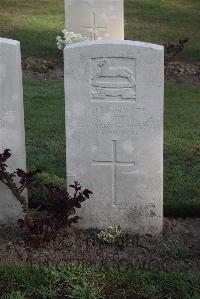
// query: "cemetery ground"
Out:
[135,261]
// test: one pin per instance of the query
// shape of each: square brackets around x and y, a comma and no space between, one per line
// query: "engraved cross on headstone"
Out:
[93,29]
[114,163]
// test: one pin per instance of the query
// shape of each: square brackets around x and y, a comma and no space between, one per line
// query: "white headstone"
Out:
[12,135]
[95,18]
[114,129]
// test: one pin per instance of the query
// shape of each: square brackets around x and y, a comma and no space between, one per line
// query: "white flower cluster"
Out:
[68,38]
[110,235]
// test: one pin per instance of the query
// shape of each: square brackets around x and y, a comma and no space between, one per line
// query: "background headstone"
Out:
[95,18]
[114,129]
[12,135]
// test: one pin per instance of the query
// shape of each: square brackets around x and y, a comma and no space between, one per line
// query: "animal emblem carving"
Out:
[112,72]
[113,81]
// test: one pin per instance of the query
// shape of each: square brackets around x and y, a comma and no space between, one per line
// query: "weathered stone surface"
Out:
[114,129]
[12,135]
[95,18]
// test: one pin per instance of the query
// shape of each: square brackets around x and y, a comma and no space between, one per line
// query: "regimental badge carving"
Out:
[113,79]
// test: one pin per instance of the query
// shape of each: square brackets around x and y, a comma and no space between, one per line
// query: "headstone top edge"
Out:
[115,42]
[9,41]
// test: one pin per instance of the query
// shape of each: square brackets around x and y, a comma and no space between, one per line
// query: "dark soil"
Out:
[33,68]
[183,72]
[177,249]
[175,72]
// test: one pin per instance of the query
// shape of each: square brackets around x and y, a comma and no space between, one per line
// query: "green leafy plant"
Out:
[37,198]
[51,178]
[38,65]
[111,234]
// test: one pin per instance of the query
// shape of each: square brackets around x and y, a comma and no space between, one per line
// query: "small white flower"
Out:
[110,235]
[68,38]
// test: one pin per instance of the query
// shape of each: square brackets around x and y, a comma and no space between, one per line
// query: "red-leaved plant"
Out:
[172,49]
[42,223]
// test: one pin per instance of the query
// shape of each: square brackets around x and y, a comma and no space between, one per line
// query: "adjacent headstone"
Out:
[12,135]
[114,125]
[95,18]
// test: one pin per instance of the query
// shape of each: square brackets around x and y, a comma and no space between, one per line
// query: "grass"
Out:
[34,22]
[45,139]
[44,119]
[37,22]
[78,281]
[159,20]
[182,149]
